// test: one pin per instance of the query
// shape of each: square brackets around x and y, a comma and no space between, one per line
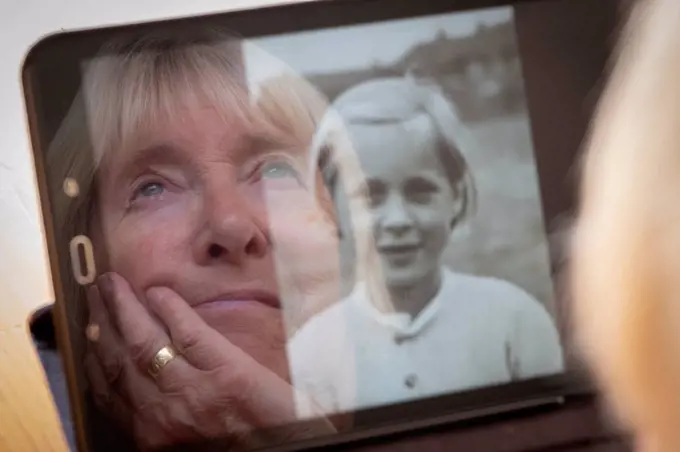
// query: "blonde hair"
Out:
[626,248]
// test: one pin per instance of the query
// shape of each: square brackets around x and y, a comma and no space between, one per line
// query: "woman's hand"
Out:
[211,392]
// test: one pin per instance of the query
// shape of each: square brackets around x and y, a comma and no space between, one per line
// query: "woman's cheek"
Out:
[293,215]
[307,262]
[360,217]
[301,232]
[142,242]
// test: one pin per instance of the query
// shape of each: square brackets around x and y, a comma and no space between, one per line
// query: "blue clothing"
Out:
[42,331]
[103,435]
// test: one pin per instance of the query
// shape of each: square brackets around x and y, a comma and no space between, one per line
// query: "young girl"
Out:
[412,328]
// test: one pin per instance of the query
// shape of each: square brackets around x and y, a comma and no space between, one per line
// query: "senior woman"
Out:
[412,328]
[192,192]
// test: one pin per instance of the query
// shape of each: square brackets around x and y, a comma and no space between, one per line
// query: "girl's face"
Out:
[222,215]
[410,198]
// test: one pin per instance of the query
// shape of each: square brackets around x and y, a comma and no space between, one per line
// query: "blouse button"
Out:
[411,381]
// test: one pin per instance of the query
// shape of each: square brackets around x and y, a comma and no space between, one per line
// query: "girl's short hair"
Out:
[384,100]
[398,100]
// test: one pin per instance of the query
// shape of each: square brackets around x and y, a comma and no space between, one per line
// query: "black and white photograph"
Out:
[458,294]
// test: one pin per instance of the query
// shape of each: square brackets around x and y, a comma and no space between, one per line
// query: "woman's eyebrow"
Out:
[253,145]
[162,152]
[139,159]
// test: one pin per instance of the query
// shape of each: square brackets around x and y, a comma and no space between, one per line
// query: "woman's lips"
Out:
[241,299]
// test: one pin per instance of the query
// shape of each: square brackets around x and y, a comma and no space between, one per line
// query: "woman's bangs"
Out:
[151,90]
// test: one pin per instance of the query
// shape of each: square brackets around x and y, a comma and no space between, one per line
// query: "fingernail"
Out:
[105,284]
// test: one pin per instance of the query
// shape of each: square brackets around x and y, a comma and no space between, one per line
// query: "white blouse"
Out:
[476,332]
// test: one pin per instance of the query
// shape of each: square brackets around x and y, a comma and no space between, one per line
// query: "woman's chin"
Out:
[242,317]
[254,327]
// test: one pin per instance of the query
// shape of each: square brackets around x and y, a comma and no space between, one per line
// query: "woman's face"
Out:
[411,200]
[213,210]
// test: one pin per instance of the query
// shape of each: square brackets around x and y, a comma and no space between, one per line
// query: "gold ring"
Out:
[161,359]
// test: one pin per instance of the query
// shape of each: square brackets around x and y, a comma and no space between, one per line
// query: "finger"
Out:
[142,335]
[201,345]
[122,375]
[268,397]
[104,342]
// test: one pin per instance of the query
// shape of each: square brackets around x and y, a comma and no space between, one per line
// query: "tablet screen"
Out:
[261,237]
[435,112]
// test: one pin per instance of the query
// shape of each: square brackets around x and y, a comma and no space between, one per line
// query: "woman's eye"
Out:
[150,190]
[278,170]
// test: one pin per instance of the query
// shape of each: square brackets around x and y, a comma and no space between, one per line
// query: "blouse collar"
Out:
[402,323]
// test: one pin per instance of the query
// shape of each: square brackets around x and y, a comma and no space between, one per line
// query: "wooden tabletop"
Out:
[28,418]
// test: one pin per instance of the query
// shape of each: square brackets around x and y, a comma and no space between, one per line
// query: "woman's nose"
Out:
[231,231]
[395,217]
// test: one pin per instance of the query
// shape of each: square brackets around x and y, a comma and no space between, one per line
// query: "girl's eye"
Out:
[420,190]
[376,191]
[278,170]
[149,190]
